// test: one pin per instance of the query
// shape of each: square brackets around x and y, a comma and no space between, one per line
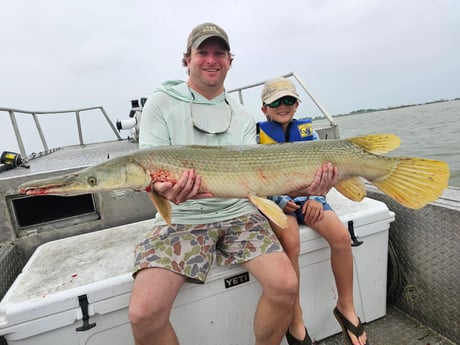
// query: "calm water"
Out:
[428,131]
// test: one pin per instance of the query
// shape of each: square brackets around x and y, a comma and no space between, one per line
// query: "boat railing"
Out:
[334,130]
[35,116]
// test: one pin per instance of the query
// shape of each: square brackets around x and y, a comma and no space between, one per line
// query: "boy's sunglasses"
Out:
[288,100]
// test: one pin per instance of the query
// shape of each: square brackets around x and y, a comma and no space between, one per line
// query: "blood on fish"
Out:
[162,176]
[262,175]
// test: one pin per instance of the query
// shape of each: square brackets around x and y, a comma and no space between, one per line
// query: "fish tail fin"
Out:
[415,182]
[162,205]
[377,143]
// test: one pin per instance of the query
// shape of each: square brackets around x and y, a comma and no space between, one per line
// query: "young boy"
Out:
[279,104]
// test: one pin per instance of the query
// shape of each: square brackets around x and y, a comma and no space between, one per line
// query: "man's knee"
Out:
[284,293]
[146,322]
[149,308]
[282,285]
[137,313]
[287,284]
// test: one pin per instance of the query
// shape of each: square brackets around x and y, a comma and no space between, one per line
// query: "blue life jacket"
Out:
[271,132]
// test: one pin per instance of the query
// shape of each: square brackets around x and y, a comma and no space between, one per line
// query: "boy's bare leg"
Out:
[335,233]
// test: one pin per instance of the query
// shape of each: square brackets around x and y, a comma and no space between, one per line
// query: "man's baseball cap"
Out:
[276,88]
[204,31]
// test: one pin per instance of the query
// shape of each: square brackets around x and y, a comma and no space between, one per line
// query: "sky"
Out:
[352,54]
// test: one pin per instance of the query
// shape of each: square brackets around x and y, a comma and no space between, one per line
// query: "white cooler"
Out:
[76,290]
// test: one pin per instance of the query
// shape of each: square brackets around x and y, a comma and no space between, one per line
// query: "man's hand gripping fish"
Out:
[256,171]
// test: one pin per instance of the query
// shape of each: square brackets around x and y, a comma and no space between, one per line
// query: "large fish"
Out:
[256,171]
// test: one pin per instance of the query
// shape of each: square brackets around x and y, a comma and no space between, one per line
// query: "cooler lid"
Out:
[97,264]
[362,213]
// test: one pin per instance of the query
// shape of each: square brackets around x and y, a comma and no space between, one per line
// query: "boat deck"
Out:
[395,328]
[72,157]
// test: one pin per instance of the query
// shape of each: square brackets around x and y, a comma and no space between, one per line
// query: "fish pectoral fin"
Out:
[270,209]
[353,188]
[161,204]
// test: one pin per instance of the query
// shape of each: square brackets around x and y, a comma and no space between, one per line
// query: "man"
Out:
[200,112]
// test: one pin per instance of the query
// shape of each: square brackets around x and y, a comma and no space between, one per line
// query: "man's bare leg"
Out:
[153,295]
[290,241]
[274,311]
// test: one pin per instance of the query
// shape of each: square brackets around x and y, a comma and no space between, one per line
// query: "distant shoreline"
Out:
[370,110]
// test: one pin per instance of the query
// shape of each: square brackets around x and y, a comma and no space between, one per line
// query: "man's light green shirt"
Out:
[167,120]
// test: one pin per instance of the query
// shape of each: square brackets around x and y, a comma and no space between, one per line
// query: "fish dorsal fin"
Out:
[377,143]
[353,188]
[162,205]
[270,209]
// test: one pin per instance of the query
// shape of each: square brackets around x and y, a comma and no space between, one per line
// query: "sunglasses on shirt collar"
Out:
[288,100]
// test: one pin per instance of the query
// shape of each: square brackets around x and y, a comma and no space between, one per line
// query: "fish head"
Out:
[115,174]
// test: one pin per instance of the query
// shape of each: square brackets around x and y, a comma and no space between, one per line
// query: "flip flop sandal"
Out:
[294,341]
[348,326]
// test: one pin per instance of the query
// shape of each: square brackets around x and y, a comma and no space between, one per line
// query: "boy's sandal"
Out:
[348,326]
[294,341]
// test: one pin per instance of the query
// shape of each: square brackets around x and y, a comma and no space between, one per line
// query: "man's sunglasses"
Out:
[288,100]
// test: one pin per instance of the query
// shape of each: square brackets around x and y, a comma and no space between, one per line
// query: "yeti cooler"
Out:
[76,290]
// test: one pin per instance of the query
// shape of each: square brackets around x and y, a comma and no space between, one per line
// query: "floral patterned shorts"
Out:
[190,249]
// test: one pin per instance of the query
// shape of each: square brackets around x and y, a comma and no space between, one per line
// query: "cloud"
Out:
[353,54]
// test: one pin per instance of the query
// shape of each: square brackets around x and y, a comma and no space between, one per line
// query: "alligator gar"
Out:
[256,171]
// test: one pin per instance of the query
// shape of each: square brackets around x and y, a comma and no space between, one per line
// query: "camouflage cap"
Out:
[204,31]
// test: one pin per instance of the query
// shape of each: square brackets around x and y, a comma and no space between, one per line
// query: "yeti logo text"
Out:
[237,280]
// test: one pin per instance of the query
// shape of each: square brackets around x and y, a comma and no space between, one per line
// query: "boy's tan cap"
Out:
[276,88]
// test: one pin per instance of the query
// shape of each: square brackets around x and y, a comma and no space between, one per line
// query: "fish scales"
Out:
[234,171]
[256,171]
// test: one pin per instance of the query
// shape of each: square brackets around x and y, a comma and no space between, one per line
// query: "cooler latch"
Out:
[83,302]
[354,239]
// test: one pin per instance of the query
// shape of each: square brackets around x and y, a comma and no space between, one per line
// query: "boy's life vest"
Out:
[271,132]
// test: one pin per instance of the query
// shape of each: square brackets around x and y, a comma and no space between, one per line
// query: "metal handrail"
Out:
[239,90]
[12,112]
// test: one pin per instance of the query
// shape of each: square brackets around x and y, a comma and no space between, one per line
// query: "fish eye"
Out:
[92,181]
